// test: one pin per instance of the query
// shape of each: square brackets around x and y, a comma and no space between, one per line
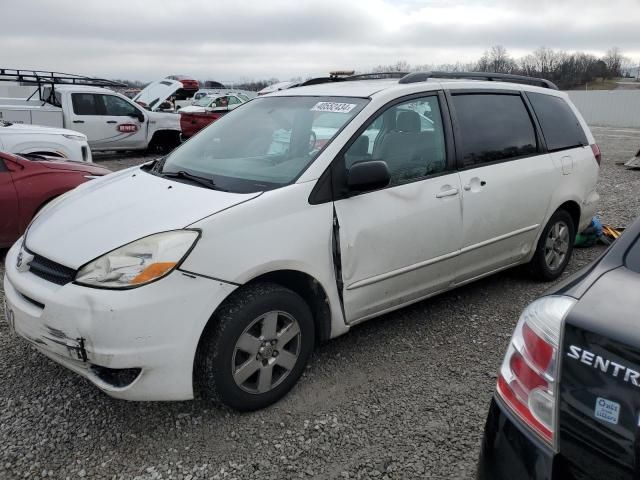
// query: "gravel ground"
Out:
[403,396]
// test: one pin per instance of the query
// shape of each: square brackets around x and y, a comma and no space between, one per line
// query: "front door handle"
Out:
[78,121]
[447,193]
[111,121]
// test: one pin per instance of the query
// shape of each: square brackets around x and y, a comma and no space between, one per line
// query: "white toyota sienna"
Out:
[213,271]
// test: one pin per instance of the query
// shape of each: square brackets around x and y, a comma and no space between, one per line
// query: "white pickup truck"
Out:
[110,120]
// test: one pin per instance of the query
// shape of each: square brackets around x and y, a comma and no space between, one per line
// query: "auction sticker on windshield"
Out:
[333,107]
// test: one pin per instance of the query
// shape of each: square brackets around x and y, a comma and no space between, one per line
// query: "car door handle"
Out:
[78,121]
[111,121]
[447,193]
[467,187]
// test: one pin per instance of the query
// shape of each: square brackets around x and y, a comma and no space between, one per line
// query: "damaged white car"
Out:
[215,270]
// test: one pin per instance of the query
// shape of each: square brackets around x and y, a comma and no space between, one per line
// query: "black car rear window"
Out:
[560,127]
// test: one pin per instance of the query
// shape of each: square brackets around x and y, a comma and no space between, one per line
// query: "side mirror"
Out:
[369,175]
[138,115]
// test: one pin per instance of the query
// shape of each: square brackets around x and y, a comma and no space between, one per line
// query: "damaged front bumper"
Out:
[134,344]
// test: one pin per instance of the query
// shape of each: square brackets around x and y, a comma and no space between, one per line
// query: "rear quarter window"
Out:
[560,126]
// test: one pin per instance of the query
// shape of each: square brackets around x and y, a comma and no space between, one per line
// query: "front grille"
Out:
[51,271]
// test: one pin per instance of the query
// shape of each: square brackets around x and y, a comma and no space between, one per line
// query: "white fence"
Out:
[608,108]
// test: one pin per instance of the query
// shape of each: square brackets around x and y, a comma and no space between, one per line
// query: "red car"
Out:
[28,182]
[192,122]
[208,109]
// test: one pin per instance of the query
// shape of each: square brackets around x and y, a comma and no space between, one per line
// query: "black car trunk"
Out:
[599,388]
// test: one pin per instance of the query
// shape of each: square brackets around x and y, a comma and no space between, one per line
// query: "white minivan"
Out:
[215,270]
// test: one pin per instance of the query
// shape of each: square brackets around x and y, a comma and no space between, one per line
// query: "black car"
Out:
[567,403]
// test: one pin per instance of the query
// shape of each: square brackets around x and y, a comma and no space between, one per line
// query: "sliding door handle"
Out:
[447,193]
[78,121]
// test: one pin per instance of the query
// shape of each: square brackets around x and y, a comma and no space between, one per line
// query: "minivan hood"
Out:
[106,213]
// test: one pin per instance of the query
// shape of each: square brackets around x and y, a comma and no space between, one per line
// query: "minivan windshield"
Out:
[265,143]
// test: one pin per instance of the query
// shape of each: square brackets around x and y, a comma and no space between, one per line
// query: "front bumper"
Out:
[509,451]
[154,328]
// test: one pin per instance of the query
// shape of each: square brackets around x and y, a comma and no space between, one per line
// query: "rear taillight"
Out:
[528,376]
[596,152]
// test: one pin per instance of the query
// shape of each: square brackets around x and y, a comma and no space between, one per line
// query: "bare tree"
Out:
[613,59]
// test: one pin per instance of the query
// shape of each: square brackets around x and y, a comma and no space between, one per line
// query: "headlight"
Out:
[139,262]
[80,138]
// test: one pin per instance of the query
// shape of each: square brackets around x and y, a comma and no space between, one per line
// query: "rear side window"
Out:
[493,127]
[560,126]
[86,104]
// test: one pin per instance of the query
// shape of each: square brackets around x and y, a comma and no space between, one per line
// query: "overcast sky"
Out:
[247,39]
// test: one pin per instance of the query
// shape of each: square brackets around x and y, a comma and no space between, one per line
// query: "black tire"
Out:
[163,142]
[217,354]
[540,265]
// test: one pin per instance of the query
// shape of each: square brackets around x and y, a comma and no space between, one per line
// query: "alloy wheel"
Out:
[266,352]
[556,245]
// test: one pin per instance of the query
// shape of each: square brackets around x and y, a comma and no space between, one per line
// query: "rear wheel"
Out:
[554,247]
[255,348]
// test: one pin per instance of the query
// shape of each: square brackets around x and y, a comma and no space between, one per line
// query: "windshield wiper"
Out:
[205,182]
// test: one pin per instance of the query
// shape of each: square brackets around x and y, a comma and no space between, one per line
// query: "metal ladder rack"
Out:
[43,78]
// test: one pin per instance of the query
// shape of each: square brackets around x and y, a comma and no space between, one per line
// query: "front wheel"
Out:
[555,247]
[255,348]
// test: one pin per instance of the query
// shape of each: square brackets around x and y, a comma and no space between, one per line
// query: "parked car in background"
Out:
[28,182]
[203,92]
[262,241]
[56,142]
[208,109]
[108,119]
[131,92]
[167,95]
[567,404]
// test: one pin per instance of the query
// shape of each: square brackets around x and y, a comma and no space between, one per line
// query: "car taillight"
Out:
[596,152]
[528,377]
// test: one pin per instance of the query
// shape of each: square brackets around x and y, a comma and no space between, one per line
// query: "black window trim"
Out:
[328,188]
[3,166]
[553,150]
[541,143]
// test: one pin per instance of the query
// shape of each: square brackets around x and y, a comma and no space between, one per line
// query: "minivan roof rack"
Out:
[42,78]
[348,76]
[495,77]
